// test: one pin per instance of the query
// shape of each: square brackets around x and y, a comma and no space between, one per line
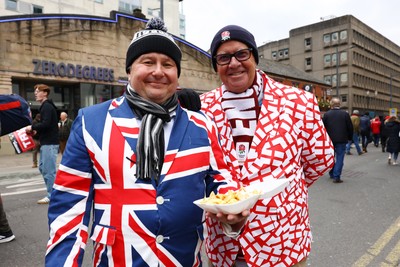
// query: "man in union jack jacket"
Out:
[136,164]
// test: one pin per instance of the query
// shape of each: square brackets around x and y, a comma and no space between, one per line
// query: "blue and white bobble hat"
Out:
[154,38]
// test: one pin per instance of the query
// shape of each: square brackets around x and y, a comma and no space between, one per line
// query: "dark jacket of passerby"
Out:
[338,125]
[365,124]
[391,132]
[47,128]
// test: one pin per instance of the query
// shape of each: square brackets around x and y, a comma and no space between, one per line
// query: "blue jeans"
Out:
[340,150]
[356,142]
[48,165]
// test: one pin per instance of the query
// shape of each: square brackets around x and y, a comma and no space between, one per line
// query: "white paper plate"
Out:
[268,188]
[234,208]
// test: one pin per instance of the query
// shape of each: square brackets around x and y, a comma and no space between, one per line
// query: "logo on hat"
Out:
[226,35]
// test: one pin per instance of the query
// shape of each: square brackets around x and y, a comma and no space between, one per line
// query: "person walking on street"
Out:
[340,129]
[35,137]
[6,234]
[376,130]
[355,120]
[392,134]
[64,130]
[133,167]
[47,129]
[267,129]
[365,131]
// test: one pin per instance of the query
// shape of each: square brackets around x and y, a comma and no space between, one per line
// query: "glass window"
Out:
[308,61]
[334,58]
[343,77]
[335,36]
[286,52]
[11,5]
[343,35]
[328,79]
[327,59]
[327,38]
[307,42]
[280,53]
[273,54]
[37,9]
[343,56]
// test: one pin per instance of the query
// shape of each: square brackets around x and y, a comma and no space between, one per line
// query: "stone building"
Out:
[81,57]
[361,65]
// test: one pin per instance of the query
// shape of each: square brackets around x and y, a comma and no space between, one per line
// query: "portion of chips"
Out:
[229,197]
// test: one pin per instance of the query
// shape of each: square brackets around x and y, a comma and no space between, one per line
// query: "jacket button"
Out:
[159,239]
[160,200]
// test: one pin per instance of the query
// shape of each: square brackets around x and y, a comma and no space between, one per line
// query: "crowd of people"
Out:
[126,162]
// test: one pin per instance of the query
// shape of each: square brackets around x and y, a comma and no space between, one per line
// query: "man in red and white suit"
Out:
[267,129]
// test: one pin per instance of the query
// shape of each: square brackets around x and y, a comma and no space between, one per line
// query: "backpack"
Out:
[15,113]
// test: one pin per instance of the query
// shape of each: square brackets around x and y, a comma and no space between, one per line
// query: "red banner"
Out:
[21,141]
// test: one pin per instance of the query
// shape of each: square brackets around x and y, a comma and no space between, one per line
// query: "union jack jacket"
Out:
[134,222]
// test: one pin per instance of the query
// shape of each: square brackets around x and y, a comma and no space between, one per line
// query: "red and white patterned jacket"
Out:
[290,141]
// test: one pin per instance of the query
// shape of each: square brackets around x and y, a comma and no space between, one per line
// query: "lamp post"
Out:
[337,71]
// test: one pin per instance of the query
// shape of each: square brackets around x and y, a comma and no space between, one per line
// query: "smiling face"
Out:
[237,76]
[154,76]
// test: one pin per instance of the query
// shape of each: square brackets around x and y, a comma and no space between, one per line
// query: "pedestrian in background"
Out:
[376,130]
[383,137]
[365,131]
[47,129]
[267,129]
[133,167]
[35,137]
[6,234]
[64,129]
[355,121]
[392,134]
[340,129]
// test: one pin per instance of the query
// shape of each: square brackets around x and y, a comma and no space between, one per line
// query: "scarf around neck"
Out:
[150,145]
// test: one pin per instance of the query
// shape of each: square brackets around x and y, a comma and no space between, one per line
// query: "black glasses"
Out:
[241,55]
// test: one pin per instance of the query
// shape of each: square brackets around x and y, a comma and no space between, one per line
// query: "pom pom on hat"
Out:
[154,38]
[232,32]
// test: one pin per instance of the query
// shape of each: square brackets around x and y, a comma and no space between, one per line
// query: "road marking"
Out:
[23,192]
[27,184]
[379,245]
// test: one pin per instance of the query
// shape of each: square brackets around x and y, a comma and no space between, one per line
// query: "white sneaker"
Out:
[389,160]
[44,200]
[394,163]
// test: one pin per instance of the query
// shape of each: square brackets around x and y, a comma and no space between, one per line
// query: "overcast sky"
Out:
[272,20]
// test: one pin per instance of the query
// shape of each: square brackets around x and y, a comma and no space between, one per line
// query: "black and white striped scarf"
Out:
[150,146]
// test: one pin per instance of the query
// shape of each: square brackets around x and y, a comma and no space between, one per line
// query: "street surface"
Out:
[355,223]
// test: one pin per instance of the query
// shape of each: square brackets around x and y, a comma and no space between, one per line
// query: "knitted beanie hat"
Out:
[154,38]
[232,32]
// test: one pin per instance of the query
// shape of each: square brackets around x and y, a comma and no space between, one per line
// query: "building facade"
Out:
[167,9]
[82,58]
[361,65]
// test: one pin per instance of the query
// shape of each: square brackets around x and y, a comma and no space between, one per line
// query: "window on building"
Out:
[327,59]
[343,56]
[327,39]
[286,52]
[334,80]
[11,5]
[280,53]
[307,41]
[335,36]
[99,1]
[328,79]
[37,9]
[274,54]
[308,62]
[334,58]
[343,35]
[343,78]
